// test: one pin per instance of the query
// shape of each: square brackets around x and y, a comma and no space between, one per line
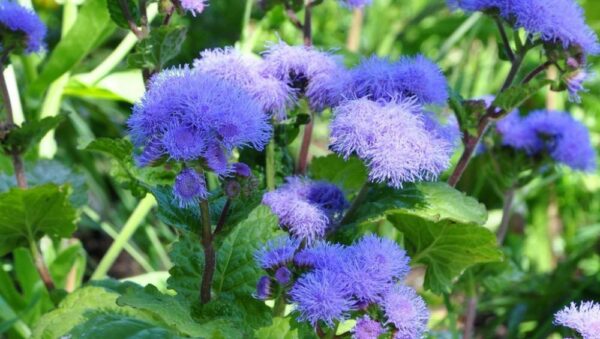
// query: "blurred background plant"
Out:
[552,244]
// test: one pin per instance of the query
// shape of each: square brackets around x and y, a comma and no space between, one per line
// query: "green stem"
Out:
[135,254]
[270,165]
[40,265]
[452,317]
[358,200]
[135,220]
[158,246]
[279,307]
[8,314]
[53,99]
[210,257]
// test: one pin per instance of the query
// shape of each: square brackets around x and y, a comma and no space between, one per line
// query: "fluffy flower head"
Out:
[565,139]
[306,209]
[411,77]
[189,115]
[583,318]
[315,74]
[276,252]
[321,296]
[407,311]
[24,23]
[193,6]
[189,187]
[243,70]
[391,138]
[367,328]
[323,256]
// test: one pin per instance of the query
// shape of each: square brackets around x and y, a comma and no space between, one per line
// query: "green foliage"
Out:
[115,8]
[31,132]
[516,95]
[349,174]
[280,329]
[169,212]
[163,44]
[188,265]
[124,169]
[28,214]
[92,24]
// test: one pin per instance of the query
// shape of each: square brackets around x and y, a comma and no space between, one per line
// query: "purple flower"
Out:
[24,23]
[321,296]
[411,77]
[448,132]
[407,311]
[193,6]
[367,328]
[392,140]
[241,169]
[323,256]
[503,6]
[306,209]
[283,275]
[228,64]
[189,115]
[565,139]
[277,252]
[355,3]
[575,82]
[263,288]
[584,318]
[556,21]
[315,74]
[189,187]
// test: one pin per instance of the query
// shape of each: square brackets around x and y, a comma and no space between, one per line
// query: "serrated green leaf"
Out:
[51,171]
[188,264]
[174,311]
[81,306]
[92,24]
[516,95]
[31,132]
[28,214]
[349,174]
[169,212]
[280,329]
[117,15]
[446,247]
[163,44]
[124,170]
[104,326]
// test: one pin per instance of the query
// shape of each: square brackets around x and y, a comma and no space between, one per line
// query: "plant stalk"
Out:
[305,147]
[279,306]
[353,43]
[270,165]
[358,200]
[503,229]
[41,267]
[307,27]
[210,257]
[222,217]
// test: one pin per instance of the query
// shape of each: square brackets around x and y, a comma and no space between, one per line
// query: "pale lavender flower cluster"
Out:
[309,72]
[565,139]
[195,118]
[583,318]
[410,77]
[554,21]
[193,6]
[244,70]
[392,138]
[23,22]
[306,209]
[334,281]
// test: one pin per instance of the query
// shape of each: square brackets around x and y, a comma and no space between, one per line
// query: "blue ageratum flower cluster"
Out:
[307,209]
[563,138]
[554,21]
[331,281]
[316,75]
[410,77]
[193,117]
[25,24]
[583,318]
[229,64]
[393,139]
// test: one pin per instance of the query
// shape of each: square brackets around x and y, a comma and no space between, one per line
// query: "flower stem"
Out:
[307,27]
[535,72]
[40,265]
[210,257]
[222,217]
[471,313]
[353,43]
[270,165]
[508,201]
[304,148]
[358,200]
[279,307]
[17,161]
[507,49]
